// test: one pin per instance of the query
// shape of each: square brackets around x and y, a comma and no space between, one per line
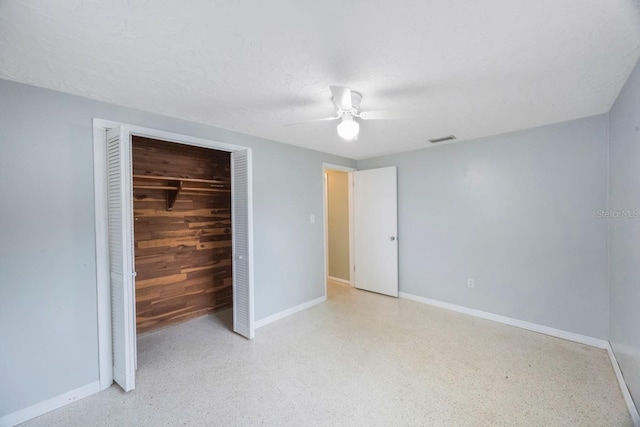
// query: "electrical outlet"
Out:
[312,219]
[471,283]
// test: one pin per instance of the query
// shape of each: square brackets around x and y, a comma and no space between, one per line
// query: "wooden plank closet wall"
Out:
[182,249]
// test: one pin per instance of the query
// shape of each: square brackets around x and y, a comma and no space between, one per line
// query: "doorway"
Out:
[372,231]
[338,225]
[113,180]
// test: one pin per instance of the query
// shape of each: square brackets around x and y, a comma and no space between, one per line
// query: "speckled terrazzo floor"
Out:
[358,359]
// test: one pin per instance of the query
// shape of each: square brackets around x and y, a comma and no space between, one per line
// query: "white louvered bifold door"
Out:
[241,223]
[121,256]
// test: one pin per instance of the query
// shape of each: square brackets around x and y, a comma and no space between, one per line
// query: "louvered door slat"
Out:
[120,256]
[241,229]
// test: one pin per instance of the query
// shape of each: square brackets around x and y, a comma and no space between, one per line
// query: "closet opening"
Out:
[182,232]
[193,241]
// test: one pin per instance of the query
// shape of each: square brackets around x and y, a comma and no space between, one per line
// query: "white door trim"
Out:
[105,355]
[325,219]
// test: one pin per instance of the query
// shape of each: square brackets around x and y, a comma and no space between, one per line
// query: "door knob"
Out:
[392,238]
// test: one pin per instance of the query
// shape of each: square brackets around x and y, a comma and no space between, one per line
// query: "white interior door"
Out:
[120,223]
[375,215]
[241,223]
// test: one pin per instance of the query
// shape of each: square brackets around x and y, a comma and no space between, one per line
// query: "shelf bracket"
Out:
[172,195]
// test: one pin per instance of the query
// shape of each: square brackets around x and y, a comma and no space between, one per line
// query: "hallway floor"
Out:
[358,359]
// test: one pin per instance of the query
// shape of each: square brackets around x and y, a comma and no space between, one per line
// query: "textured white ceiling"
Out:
[463,67]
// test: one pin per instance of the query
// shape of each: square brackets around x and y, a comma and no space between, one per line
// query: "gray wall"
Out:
[338,224]
[624,232]
[48,325]
[516,212]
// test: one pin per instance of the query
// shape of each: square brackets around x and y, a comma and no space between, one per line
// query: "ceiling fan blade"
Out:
[341,97]
[383,115]
[324,119]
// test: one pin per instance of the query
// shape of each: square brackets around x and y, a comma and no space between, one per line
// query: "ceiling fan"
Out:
[347,103]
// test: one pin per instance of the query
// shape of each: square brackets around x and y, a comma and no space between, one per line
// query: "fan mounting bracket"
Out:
[356,98]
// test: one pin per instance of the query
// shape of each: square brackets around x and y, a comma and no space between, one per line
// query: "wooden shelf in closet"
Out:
[175,185]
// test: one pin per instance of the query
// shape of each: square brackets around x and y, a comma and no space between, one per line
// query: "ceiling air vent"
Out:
[443,139]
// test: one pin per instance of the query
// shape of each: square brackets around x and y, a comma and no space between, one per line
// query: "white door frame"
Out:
[325,222]
[105,354]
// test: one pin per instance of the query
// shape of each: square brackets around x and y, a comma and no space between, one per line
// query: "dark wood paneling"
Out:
[183,255]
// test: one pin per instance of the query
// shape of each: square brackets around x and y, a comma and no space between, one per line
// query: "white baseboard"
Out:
[559,333]
[270,319]
[570,336]
[38,409]
[336,279]
[623,388]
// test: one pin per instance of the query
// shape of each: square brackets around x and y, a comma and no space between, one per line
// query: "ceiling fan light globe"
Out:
[348,129]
